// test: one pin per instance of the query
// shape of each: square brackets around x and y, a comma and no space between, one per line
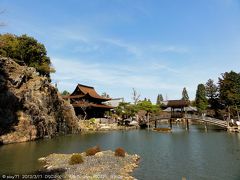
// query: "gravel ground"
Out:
[103,165]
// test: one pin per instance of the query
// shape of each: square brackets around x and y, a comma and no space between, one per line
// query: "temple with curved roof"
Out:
[87,102]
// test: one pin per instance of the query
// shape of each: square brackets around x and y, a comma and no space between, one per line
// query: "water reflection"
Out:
[195,154]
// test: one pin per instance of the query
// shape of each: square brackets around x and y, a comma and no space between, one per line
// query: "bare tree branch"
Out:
[136,96]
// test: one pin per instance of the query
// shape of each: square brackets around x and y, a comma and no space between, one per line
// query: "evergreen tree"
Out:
[159,99]
[185,94]
[146,105]
[211,89]
[26,50]
[229,87]
[201,100]
[65,92]
[212,94]
[126,109]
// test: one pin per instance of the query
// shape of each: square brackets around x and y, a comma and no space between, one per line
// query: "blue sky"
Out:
[154,46]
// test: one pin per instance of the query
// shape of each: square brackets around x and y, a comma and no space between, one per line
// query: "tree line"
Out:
[220,97]
[216,99]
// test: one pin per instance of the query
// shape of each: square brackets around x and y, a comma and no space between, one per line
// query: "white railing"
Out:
[207,119]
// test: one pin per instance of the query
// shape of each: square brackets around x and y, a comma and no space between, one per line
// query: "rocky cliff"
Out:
[30,107]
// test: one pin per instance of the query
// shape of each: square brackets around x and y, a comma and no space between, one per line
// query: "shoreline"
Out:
[83,131]
[87,128]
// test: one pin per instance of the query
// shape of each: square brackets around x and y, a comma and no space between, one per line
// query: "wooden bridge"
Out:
[187,117]
[208,120]
[178,111]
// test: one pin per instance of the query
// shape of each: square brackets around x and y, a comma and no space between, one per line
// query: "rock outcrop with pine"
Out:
[30,107]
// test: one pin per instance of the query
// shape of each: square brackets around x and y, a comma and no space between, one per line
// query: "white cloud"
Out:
[128,46]
[72,71]
[85,40]
[141,49]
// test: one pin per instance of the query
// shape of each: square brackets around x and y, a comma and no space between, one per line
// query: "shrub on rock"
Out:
[76,159]
[92,151]
[120,152]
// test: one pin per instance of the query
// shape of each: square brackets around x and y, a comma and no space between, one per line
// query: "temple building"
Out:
[87,102]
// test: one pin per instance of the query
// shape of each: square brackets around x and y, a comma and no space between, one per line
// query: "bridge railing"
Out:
[209,120]
[202,117]
[191,116]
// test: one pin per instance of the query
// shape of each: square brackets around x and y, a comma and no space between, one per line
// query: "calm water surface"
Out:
[196,154]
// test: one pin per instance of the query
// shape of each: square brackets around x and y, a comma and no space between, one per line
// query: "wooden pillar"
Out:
[187,124]
[170,123]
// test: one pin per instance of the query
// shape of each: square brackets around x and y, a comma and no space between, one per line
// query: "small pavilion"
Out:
[178,108]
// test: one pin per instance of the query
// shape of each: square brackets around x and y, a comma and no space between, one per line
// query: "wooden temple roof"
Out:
[91,91]
[178,103]
[85,90]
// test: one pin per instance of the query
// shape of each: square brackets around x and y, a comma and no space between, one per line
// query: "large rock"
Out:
[30,107]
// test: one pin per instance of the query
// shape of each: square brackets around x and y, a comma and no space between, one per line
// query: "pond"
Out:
[194,154]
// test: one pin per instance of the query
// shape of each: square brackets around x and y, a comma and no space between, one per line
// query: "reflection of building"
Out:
[114,102]
[87,102]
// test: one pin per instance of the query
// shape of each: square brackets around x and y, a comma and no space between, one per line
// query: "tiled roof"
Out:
[91,91]
[177,103]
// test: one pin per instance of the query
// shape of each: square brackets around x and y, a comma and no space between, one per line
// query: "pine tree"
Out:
[212,94]
[65,92]
[211,89]
[185,96]
[26,50]
[201,100]
[159,99]
[229,86]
